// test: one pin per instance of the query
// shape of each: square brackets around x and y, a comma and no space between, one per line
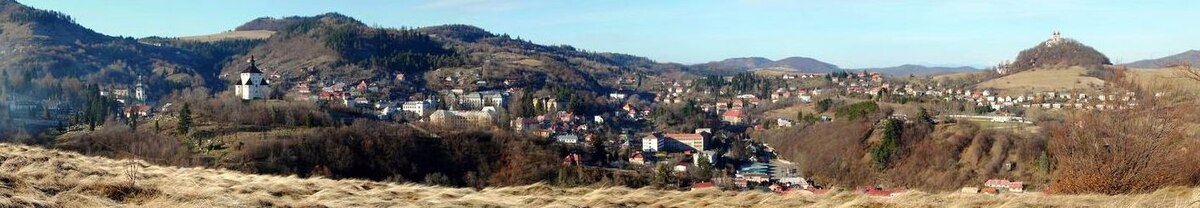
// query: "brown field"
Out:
[36,177]
[1041,80]
[956,75]
[251,34]
[1163,79]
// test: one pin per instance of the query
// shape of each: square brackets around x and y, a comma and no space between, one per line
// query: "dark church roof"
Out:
[253,68]
[250,82]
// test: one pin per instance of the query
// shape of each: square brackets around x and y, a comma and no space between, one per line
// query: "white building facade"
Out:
[251,85]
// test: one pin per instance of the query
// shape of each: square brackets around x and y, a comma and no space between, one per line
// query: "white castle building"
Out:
[251,85]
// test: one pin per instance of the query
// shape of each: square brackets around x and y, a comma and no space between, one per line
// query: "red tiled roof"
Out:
[137,108]
[732,113]
[702,185]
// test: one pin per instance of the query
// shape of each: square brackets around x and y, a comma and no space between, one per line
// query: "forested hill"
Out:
[533,64]
[50,47]
[339,48]
[1058,53]
[335,47]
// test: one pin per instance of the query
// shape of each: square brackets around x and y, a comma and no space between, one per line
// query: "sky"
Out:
[850,34]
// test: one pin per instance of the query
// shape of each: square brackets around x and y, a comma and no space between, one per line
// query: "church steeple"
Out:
[253,67]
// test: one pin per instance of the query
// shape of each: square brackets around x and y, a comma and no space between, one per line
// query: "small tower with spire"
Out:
[251,85]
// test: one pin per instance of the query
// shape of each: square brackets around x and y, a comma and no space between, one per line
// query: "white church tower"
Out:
[252,85]
[139,91]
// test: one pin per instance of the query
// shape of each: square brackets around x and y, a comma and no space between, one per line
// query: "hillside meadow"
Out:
[36,177]
[1042,80]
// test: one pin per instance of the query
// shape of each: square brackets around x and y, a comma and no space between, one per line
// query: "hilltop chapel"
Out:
[252,84]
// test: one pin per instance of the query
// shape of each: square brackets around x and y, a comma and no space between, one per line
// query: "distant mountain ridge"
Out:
[1190,57]
[919,70]
[810,65]
[796,64]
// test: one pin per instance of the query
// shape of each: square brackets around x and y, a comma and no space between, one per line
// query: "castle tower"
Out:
[251,85]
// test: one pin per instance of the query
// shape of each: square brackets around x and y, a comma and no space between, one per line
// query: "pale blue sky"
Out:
[851,34]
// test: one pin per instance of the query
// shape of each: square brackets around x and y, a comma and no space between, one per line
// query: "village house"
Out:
[421,108]
[139,110]
[781,122]
[702,186]
[384,109]
[637,158]
[399,76]
[525,124]
[1005,185]
[567,139]
[734,116]
[618,96]
[681,167]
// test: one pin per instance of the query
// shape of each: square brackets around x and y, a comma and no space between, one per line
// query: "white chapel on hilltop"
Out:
[252,85]
[1055,39]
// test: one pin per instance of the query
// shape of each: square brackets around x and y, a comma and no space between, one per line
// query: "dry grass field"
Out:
[1041,80]
[956,75]
[36,177]
[252,34]
[1162,79]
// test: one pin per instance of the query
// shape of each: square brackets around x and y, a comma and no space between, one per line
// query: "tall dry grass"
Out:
[36,177]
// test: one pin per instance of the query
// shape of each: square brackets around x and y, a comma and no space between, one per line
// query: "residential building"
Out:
[684,142]
[476,100]
[421,108]
[652,143]
[451,118]
[139,110]
[637,158]
[734,116]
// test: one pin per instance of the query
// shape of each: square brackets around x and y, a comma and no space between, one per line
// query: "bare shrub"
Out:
[1132,149]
